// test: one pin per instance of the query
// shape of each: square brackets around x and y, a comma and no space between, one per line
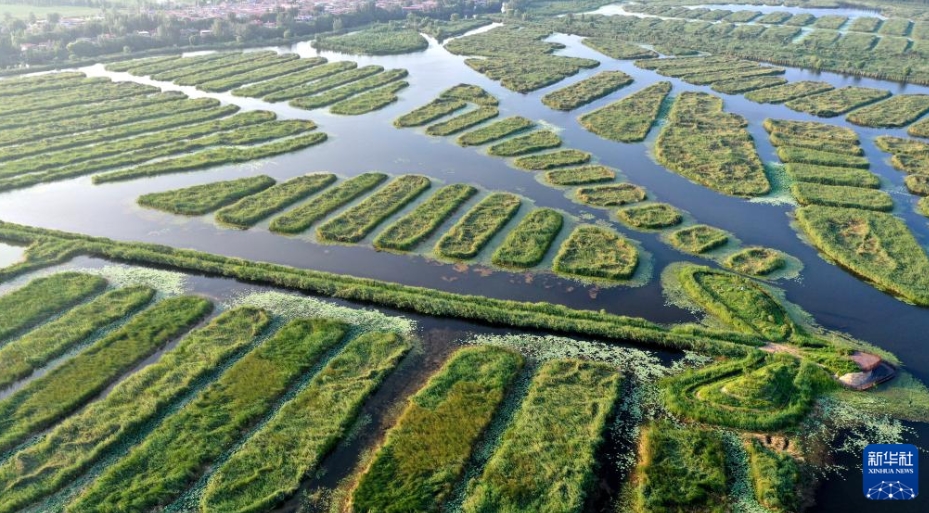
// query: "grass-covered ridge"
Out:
[787,92]
[369,101]
[58,393]
[202,199]
[711,147]
[565,412]
[629,119]
[898,111]
[552,160]
[583,175]
[775,477]
[430,112]
[587,90]
[593,252]
[841,196]
[523,144]
[42,298]
[426,452]
[494,131]
[838,101]
[174,455]
[22,356]
[76,444]
[463,122]
[304,216]
[305,429]
[611,195]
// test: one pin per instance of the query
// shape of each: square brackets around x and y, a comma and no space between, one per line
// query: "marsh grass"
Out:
[629,119]
[471,94]
[596,252]
[587,90]
[23,356]
[841,196]
[898,111]
[475,229]
[828,175]
[698,239]
[263,89]
[552,160]
[495,131]
[529,143]
[418,225]
[427,450]
[331,81]
[756,261]
[53,396]
[430,112]
[527,243]
[838,101]
[553,438]
[787,92]
[285,68]
[618,49]
[203,199]
[255,207]
[358,221]
[463,122]
[348,91]
[583,175]
[743,85]
[775,477]
[379,39]
[186,443]
[917,184]
[612,195]
[302,217]
[876,246]
[793,154]
[83,439]
[295,440]
[42,298]
[369,101]
[651,216]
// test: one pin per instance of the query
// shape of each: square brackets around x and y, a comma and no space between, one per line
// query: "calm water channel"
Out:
[359,144]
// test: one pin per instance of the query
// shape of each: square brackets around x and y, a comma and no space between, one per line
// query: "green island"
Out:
[350,90]
[523,144]
[583,175]
[826,175]
[369,101]
[358,221]
[386,39]
[618,49]
[495,131]
[254,207]
[898,111]
[44,298]
[787,92]
[698,239]
[596,252]
[837,101]
[756,261]
[611,195]
[430,112]
[552,160]
[587,90]
[808,193]
[331,81]
[410,230]
[302,217]
[463,122]
[711,147]
[284,83]
[203,199]
[527,243]
[629,119]
[650,216]
[475,229]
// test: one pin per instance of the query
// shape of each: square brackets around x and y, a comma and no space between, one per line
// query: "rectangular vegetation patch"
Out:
[252,209]
[358,221]
[629,119]
[596,252]
[841,196]
[838,101]
[788,92]
[527,243]
[898,111]
[587,90]
[552,160]
[580,175]
[473,231]
[495,131]
[42,298]
[202,199]
[302,217]
[529,143]
[410,230]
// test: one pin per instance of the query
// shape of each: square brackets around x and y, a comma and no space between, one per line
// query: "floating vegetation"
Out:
[711,147]
[167,283]
[580,175]
[495,131]
[651,216]
[587,90]
[202,199]
[430,112]
[410,230]
[551,160]
[473,231]
[527,243]
[791,154]
[612,195]
[596,252]
[775,476]
[629,119]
